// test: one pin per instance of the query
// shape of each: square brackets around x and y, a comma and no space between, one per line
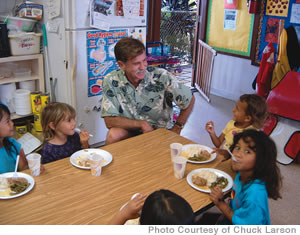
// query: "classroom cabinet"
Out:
[12,65]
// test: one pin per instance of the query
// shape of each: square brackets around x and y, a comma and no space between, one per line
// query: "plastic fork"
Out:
[233,157]
[78,131]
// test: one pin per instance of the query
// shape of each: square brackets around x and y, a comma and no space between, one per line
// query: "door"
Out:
[203,56]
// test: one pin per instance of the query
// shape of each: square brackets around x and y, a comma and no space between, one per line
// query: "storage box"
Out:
[30,10]
[18,24]
[25,43]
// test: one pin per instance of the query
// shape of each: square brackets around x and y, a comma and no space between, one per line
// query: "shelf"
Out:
[20,58]
[15,116]
[34,62]
[18,79]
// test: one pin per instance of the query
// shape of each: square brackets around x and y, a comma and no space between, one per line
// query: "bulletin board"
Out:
[229,30]
[274,16]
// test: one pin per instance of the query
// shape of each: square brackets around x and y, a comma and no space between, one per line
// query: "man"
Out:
[137,99]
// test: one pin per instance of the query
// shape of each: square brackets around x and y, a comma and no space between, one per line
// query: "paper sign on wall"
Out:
[230,19]
[230,4]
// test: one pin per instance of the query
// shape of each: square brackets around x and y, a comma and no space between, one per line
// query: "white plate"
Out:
[208,149]
[106,155]
[23,175]
[217,172]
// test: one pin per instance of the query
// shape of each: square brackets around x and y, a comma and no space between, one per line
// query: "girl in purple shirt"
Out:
[60,139]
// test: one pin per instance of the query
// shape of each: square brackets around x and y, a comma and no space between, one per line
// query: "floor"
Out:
[219,110]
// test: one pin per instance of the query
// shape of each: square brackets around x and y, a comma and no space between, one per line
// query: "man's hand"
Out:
[145,126]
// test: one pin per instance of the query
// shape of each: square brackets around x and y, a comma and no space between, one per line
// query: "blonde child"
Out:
[9,147]
[249,113]
[60,139]
[258,178]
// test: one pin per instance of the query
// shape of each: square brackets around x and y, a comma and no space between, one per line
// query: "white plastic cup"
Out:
[34,163]
[96,164]
[179,164]
[175,149]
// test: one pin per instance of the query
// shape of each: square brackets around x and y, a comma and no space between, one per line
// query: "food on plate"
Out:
[83,160]
[209,176]
[196,153]
[203,155]
[13,186]
[3,183]
[207,179]
[221,181]
[18,185]
[198,180]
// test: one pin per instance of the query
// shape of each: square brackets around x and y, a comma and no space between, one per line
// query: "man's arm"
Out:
[183,116]
[128,124]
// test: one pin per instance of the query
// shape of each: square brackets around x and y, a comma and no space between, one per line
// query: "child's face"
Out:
[239,111]
[245,156]
[6,126]
[66,126]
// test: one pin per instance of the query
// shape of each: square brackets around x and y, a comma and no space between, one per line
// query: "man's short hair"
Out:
[128,48]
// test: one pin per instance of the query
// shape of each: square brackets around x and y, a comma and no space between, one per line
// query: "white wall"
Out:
[232,76]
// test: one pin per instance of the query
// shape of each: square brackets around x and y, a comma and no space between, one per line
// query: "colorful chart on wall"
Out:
[100,54]
[275,16]
[100,57]
[229,30]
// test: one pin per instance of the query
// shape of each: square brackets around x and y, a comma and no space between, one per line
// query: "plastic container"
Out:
[22,72]
[30,10]
[22,102]
[18,24]
[25,43]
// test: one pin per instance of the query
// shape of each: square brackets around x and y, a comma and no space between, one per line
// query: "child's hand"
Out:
[84,136]
[134,206]
[130,211]
[222,152]
[84,139]
[210,127]
[216,195]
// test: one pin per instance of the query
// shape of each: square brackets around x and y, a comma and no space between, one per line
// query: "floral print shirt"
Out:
[150,101]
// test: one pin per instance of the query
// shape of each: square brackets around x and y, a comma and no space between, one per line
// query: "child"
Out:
[162,207]
[9,147]
[60,138]
[258,178]
[249,112]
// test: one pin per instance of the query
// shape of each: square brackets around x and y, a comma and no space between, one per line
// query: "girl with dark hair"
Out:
[9,147]
[258,178]
[161,207]
[250,112]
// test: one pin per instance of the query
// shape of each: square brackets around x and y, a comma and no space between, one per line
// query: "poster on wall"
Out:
[272,30]
[230,19]
[277,7]
[99,12]
[295,14]
[100,57]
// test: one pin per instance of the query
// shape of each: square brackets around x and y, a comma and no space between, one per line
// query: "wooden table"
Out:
[64,194]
